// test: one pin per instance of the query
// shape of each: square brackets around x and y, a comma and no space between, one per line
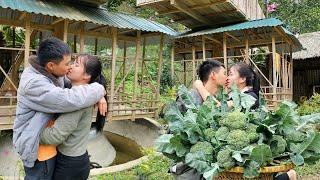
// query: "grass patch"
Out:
[155,168]
[309,170]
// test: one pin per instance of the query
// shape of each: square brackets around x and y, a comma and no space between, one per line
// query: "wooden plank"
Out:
[57,21]
[27,40]
[199,6]
[8,78]
[233,37]
[143,57]
[98,28]
[182,7]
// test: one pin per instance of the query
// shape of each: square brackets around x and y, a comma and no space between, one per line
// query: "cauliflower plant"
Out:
[222,133]
[205,147]
[238,139]
[224,159]
[277,145]
[251,132]
[234,120]
[210,135]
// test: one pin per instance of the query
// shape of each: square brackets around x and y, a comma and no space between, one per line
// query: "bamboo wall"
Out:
[306,75]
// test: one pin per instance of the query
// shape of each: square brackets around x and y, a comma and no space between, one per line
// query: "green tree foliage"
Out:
[301,16]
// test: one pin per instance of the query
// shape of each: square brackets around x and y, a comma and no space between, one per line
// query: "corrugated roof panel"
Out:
[241,26]
[84,13]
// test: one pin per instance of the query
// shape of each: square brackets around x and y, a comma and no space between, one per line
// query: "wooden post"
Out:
[247,61]
[225,58]
[82,37]
[65,30]
[203,48]
[142,63]
[159,69]
[14,37]
[95,46]
[136,66]
[124,62]
[113,68]
[27,40]
[193,61]
[274,68]
[291,72]
[172,61]
[75,44]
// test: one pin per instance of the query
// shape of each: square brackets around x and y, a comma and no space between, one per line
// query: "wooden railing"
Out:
[7,111]
[274,98]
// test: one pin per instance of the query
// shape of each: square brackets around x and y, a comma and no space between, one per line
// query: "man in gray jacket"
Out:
[41,93]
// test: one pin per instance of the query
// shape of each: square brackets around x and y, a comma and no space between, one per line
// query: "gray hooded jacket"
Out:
[38,98]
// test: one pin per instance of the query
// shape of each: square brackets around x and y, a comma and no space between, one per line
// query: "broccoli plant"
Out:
[213,139]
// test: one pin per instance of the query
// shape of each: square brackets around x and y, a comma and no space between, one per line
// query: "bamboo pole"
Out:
[74,43]
[113,68]
[274,70]
[203,48]
[291,73]
[136,66]
[124,62]
[65,30]
[172,60]
[225,59]
[95,46]
[247,61]
[82,38]
[193,61]
[27,40]
[159,69]
[143,58]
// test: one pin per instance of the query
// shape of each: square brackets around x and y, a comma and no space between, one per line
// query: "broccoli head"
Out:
[238,139]
[210,135]
[224,159]
[222,133]
[234,120]
[205,147]
[295,136]
[251,132]
[277,145]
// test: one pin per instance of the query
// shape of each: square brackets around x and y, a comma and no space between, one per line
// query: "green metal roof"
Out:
[86,13]
[271,22]
[261,23]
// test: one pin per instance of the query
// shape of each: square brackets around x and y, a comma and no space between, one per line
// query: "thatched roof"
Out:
[311,46]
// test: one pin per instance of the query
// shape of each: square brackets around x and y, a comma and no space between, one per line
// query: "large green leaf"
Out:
[297,159]
[178,146]
[247,101]
[186,97]
[162,143]
[214,171]
[198,161]
[251,169]
[261,154]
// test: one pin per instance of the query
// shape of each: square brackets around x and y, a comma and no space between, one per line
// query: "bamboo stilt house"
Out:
[119,40]
[307,67]
[206,13]
[241,42]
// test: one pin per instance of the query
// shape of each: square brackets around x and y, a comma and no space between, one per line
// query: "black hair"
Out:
[52,50]
[252,78]
[93,67]
[207,67]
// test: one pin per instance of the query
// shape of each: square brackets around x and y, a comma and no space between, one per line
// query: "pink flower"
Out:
[272,7]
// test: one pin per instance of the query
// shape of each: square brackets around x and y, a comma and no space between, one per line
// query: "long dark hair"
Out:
[252,78]
[93,67]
